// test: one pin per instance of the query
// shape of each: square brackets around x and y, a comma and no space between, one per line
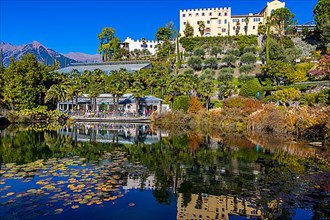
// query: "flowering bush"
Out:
[322,70]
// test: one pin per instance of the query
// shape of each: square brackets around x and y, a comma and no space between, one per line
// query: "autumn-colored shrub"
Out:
[248,105]
[194,105]
[303,122]
[270,119]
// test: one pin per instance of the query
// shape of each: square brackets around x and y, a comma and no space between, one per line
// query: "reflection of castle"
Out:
[139,183]
[205,206]
[112,133]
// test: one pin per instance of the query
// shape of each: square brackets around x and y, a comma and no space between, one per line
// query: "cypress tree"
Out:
[54,60]
[1,58]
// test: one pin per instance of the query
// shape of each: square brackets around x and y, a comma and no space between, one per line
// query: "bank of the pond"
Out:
[36,115]
[247,116]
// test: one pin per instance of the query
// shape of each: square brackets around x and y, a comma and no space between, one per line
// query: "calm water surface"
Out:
[125,171]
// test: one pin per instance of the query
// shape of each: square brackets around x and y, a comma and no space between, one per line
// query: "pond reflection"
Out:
[129,170]
[112,133]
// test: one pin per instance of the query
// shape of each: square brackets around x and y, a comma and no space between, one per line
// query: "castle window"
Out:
[235,20]
[219,21]
[150,46]
[225,21]
[254,27]
[233,27]
[219,14]
[189,14]
[208,22]
[243,20]
[226,14]
[183,15]
[203,14]
[223,30]
[184,23]
[210,13]
[196,14]
[256,19]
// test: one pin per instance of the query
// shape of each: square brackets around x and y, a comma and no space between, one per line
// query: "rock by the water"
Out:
[316,144]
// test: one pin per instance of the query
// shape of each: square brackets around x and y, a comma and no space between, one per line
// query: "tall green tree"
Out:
[322,18]
[206,88]
[281,20]
[277,70]
[138,89]
[237,28]
[56,93]
[166,35]
[109,43]
[246,28]
[25,83]
[1,58]
[188,30]
[95,83]
[117,84]
[261,29]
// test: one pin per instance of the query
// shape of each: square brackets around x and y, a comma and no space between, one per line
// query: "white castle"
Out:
[220,21]
[131,45]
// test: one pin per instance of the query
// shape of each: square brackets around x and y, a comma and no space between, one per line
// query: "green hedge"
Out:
[181,103]
[250,89]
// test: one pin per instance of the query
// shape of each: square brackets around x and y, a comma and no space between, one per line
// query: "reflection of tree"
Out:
[164,196]
[199,201]
[186,199]
[234,168]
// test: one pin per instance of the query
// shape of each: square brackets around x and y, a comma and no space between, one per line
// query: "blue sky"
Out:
[72,26]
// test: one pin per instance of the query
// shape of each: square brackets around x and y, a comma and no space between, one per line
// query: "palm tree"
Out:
[144,46]
[138,89]
[201,27]
[77,85]
[247,25]
[178,85]
[56,93]
[237,27]
[117,85]
[96,85]
[206,88]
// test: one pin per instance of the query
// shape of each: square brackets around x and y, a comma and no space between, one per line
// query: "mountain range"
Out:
[44,54]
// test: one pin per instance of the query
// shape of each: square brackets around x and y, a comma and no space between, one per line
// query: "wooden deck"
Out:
[112,119]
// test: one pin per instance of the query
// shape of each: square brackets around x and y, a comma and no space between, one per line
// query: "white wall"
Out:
[214,18]
[137,44]
[219,20]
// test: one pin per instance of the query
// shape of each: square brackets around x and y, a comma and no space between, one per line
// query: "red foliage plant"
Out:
[323,67]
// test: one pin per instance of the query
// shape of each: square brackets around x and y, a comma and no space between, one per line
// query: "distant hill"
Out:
[43,54]
[82,57]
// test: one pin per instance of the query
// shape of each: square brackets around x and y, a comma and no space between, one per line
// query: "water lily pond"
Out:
[131,171]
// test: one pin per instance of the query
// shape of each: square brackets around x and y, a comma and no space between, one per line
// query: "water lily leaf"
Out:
[75,206]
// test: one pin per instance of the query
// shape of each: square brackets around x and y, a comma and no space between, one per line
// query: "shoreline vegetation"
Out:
[249,117]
